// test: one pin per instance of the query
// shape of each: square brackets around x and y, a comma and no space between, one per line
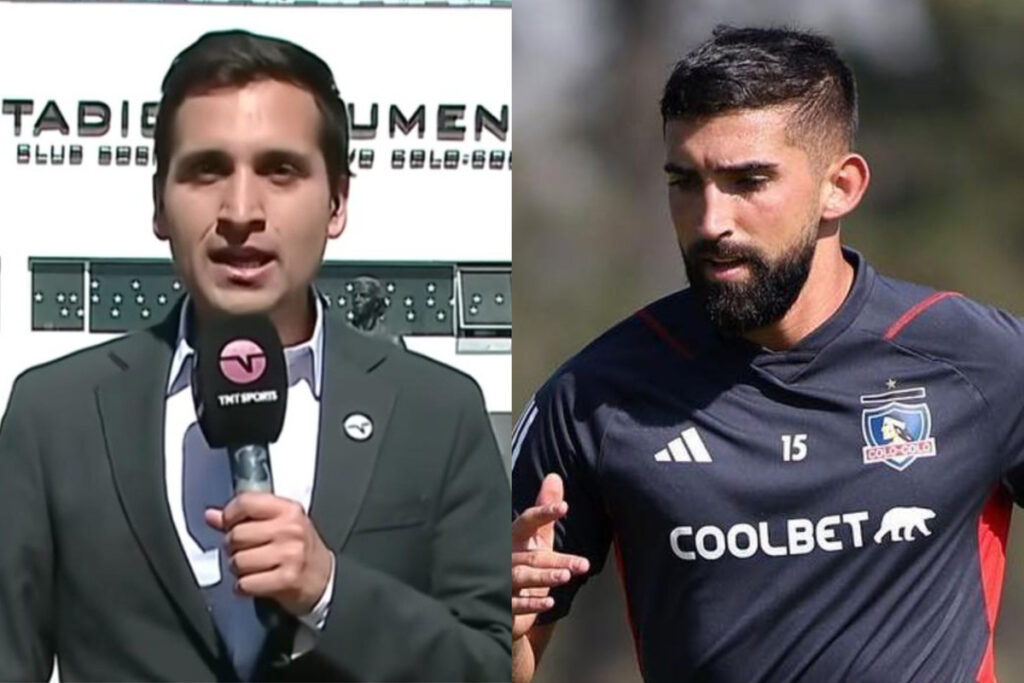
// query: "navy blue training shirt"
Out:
[834,512]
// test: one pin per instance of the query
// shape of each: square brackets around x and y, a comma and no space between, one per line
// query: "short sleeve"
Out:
[1001,380]
[988,347]
[1006,399]
[556,433]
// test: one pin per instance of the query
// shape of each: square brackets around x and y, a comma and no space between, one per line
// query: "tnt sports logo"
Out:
[243,361]
[897,428]
[799,536]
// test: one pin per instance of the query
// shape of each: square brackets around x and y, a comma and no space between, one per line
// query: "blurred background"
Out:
[942,103]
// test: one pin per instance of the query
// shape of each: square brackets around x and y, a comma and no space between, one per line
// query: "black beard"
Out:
[738,307]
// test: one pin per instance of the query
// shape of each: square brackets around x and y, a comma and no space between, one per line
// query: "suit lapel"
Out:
[131,406]
[345,464]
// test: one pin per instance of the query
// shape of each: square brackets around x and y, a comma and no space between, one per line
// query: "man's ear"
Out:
[159,218]
[339,217]
[845,183]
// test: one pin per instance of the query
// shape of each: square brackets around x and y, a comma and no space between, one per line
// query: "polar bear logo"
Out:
[899,524]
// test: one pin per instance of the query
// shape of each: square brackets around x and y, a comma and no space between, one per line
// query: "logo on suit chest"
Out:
[358,427]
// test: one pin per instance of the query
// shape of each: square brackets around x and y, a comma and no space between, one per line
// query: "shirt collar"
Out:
[304,361]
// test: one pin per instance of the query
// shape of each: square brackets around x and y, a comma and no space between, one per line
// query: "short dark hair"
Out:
[236,58]
[752,68]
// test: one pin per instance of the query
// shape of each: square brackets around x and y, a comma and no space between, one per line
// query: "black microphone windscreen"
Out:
[240,383]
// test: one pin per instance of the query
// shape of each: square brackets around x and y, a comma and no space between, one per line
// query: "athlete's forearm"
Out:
[524,664]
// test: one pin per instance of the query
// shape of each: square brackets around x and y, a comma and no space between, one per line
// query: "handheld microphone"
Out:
[240,389]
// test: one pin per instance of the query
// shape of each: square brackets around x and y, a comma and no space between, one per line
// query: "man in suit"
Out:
[382,552]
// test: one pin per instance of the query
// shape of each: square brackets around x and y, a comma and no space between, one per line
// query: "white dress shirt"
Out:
[292,456]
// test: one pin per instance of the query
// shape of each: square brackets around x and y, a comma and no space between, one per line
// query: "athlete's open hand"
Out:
[536,567]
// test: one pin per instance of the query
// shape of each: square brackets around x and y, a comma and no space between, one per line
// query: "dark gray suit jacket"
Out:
[91,568]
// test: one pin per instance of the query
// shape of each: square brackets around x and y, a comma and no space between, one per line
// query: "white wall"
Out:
[405,56]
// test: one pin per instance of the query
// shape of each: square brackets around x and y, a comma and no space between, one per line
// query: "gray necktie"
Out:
[206,482]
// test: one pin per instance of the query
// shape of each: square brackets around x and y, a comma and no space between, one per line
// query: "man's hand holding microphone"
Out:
[275,551]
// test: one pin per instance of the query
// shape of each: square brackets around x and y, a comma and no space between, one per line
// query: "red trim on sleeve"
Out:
[629,609]
[917,310]
[675,344]
[993,526]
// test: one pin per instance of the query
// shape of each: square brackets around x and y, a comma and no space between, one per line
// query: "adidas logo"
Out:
[688,447]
